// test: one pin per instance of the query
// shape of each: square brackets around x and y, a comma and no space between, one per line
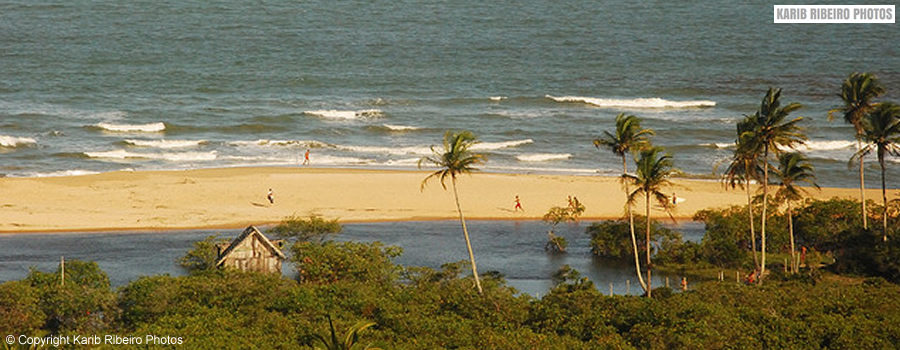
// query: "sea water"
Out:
[98,86]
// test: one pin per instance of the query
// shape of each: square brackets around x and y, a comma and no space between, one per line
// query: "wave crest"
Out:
[648,103]
[392,127]
[492,146]
[172,157]
[542,157]
[282,143]
[151,127]
[166,144]
[346,115]
[13,141]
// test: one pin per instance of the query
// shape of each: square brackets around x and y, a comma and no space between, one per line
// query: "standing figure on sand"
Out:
[306,157]
[518,204]
[271,196]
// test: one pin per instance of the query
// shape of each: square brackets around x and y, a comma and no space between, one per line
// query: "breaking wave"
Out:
[166,144]
[491,146]
[13,141]
[392,127]
[172,157]
[152,127]
[654,102]
[346,115]
[543,157]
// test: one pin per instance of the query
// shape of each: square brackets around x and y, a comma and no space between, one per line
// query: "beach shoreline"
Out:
[233,198]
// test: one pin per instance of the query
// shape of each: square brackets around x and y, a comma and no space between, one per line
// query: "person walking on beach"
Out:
[519,204]
[271,197]
[306,157]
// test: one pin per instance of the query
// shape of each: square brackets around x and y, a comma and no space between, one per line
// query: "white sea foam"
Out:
[392,127]
[498,98]
[172,156]
[152,127]
[62,173]
[491,146]
[827,145]
[346,115]
[543,157]
[282,143]
[13,141]
[648,103]
[324,159]
[166,144]
[719,144]
[405,162]
[407,150]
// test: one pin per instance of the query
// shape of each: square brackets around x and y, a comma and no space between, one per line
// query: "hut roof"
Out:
[248,232]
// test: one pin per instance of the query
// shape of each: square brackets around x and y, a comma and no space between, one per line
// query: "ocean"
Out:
[99,86]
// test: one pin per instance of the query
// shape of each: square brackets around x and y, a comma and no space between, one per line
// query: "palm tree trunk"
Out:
[762,265]
[862,188]
[752,231]
[462,221]
[637,261]
[791,230]
[647,198]
[883,192]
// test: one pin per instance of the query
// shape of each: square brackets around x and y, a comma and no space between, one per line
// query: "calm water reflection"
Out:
[514,248]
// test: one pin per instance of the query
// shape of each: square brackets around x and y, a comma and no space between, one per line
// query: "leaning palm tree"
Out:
[858,93]
[770,130]
[629,138]
[743,169]
[455,159]
[882,134]
[653,170]
[793,168]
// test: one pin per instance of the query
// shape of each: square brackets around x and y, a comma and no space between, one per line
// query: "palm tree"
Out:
[793,168]
[770,131]
[455,159]
[882,133]
[858,92]
[629,137]
[744,167]
[350,340]
[653,170]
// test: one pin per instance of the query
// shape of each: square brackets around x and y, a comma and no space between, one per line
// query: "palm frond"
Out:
[454,159]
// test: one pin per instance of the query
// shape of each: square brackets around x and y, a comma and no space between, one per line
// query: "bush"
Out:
[83,304]
[824,225]
[611,239]
[203,256]
[347,261]
[315,228]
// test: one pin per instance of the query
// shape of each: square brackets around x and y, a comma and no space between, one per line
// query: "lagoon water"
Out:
[513,248]
[96,86]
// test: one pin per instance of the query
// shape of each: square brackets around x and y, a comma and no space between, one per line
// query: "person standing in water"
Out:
[306,157]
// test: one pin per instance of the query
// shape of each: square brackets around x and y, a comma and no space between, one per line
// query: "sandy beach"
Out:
[236,197]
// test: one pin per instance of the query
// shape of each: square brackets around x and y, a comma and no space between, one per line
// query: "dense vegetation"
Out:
[357,289]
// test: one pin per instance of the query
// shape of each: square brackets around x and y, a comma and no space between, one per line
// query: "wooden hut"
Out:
[251,251]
